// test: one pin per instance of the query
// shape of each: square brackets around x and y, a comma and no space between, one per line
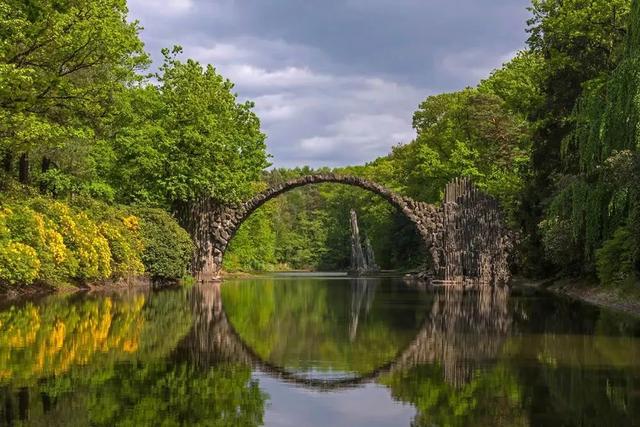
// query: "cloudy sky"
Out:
[335,82]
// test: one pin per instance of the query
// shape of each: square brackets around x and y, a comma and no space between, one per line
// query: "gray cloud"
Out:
[336,82]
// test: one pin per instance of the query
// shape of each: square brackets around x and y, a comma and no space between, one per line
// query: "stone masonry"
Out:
[216,225]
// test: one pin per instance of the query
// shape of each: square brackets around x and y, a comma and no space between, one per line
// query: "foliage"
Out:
[72,97]
[517,83]
[122,231]
[68,245]
[580,42]
[19,263]
[470,133]
[614,260]
[49,241]
[184,139]
[60,65]
[243,252]
[598,194]
[167,247]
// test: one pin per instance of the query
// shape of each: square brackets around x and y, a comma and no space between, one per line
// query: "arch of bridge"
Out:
[226,220]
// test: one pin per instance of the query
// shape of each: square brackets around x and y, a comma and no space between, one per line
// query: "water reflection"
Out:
[363,291]
[110,360]
[306,350]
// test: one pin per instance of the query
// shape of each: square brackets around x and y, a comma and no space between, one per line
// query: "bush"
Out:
[57,262]
[82,236]
[167,247]
[45,240]
[19,263]
[122,231]
[614,261]
[559,244]
[126,246]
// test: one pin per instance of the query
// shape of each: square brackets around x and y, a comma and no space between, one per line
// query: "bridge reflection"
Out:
[464,330]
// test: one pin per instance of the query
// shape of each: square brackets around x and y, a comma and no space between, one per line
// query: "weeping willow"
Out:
[601,195]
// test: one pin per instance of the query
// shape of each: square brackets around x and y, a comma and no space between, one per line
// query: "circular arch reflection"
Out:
[461,330]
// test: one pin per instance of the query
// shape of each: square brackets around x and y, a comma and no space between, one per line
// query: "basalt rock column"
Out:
[358,262]
[473,244]
[370,256]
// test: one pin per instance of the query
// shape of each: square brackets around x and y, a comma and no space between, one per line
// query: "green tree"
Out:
[597,196]
[61,63]
[187,138]
[579,40]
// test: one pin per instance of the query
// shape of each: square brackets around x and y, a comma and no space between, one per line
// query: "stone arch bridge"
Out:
[464,237]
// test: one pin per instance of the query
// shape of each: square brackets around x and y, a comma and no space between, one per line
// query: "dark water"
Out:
[317,351]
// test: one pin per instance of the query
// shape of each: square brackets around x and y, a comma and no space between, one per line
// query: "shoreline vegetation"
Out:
[588,290]
[102,161]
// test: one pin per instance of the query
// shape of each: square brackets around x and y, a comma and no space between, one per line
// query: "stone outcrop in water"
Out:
[362,257]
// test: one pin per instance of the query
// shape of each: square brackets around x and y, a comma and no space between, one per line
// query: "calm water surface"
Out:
[314,350]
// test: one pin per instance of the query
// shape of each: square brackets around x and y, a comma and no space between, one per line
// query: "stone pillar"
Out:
[211,226]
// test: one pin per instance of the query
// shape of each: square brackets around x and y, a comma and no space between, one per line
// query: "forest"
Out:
[100,149]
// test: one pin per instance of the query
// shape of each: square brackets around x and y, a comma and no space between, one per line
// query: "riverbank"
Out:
[618,299]
[34,290]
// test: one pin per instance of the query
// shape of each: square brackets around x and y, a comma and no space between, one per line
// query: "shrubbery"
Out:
[168,247]
[614,261]
[44,240]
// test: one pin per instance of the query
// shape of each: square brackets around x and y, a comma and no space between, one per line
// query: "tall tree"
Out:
[597,196]
[185,139]
[579,40]
[60,64]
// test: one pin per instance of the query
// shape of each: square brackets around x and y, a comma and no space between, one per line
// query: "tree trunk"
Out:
[24,168]
[7,162]
[46,165]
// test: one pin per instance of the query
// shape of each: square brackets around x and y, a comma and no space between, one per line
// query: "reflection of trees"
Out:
[302,327]
[585,373]
[52,337]
[118,384]
[141,393]
[446,372]
[491,397]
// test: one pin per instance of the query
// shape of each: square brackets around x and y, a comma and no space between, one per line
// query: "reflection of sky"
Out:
[370,405]
[329,374]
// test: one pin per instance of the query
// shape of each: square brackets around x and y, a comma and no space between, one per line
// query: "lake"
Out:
[317,350]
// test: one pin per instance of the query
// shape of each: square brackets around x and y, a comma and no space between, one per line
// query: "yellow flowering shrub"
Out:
[132,223]
[82,236]
[4,230]
[31,228]
[19,263]
[46,240]
[126,247]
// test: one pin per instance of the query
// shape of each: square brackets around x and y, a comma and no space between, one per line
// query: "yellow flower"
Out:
[132,223]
